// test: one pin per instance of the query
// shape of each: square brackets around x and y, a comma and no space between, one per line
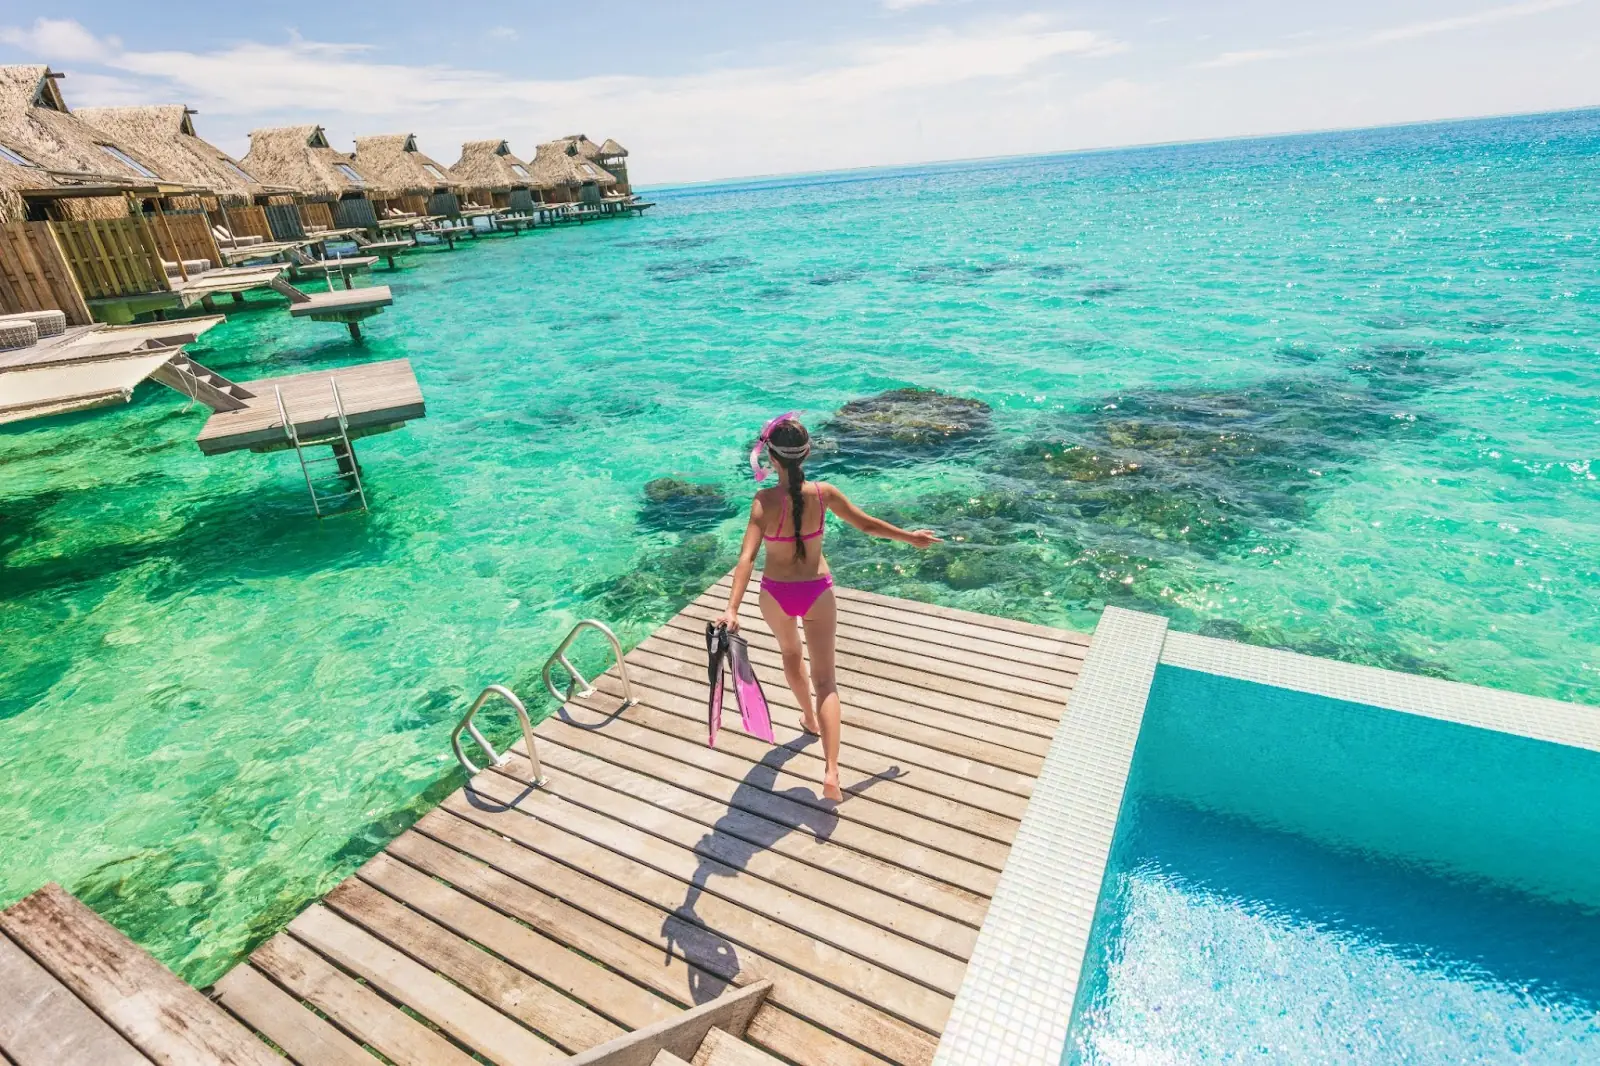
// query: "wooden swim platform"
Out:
[651,874]
[377,397]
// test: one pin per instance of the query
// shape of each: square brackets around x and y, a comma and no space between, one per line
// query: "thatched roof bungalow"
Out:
[562,173]
[301,158]
[394,161]
[56,165]
[614,158]
[493,176]
[239,204]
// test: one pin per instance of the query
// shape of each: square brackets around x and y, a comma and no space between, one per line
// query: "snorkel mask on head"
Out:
[764,442]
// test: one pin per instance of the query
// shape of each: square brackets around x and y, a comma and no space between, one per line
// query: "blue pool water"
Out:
[1335,393]
[1300,880]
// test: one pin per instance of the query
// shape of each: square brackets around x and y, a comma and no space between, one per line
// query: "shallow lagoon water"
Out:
[1334,393]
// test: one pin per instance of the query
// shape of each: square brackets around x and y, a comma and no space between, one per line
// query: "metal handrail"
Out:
[560,656]
[465,725]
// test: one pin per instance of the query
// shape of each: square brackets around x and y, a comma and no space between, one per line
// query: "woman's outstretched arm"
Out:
[747,564]
[840,505]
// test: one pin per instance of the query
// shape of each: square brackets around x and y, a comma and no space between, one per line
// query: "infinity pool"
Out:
[1300,880]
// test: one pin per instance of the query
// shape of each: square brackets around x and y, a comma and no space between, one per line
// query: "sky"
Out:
[732,88]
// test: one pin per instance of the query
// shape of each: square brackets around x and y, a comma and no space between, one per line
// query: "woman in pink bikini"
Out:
[795,583]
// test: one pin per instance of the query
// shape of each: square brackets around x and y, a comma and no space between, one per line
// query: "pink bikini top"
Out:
[808,536]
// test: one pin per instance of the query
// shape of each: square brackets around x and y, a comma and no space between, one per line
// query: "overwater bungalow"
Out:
[420,186]
[493,177]
[562,175]
[614,158]
[85,226]
[337,194]
[248,218]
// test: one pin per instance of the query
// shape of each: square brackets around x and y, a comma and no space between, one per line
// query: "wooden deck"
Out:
[377,397]
[651,872]
[76,992]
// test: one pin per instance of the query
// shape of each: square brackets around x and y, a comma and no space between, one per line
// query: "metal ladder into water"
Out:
[346,469]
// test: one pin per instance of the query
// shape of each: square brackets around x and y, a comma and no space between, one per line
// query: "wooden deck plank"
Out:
[960,664]
[567,1023]
[630,1005]
[396,1035]
[373,394]
[676,941]
[299,1031]
[980,809]
[910,688]
[804,762]
[466,1018]
[860,745]
[170,1022]
[832,911]
[870,622]
[674,659]
[698,907]
[798,805]
[982,627]
[762,835]
[43,1024]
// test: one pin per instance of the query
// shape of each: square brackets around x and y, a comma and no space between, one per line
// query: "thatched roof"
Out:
[586,148]
[165,133]
[490,165]
[50,147]
[393,160]
[557,163]
[301,158]
[612,150]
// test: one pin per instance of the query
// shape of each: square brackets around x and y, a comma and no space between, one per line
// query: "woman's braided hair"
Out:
[789,445]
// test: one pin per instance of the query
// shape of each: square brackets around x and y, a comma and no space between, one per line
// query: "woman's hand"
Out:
[922,538]
[729,618]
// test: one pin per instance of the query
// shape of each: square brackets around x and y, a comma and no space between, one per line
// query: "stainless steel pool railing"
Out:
[575,679]
[560,656]
[483,742]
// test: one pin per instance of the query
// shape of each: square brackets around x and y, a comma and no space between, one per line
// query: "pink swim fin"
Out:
[752,701]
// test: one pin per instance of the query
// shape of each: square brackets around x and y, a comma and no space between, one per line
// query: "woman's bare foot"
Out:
[808,722]
[830,787]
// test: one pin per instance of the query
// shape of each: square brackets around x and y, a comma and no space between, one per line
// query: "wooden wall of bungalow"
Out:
[71,253]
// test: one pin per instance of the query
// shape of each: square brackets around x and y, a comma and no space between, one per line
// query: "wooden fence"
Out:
[248,222]
[316,216]
[34,276]
[519,200]
[285,221]
[356,212]
[416,203]
[111,257]
[444,203]
[186,235]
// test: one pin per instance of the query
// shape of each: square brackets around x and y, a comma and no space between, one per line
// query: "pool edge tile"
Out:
[1037,928]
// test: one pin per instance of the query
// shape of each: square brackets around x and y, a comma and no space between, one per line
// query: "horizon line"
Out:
[863,171]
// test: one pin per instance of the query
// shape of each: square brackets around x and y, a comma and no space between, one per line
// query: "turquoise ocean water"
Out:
[1336,393]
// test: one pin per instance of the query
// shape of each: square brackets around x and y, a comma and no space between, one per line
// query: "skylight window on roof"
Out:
[431,169]
[15,157]
[128,161]
[350,172]
[519,170]
[237,169]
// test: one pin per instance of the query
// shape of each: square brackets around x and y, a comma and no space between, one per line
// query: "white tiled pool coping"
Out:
[1015,1004]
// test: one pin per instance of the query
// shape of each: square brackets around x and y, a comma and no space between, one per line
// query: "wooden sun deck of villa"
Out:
[651,873]
[376,397]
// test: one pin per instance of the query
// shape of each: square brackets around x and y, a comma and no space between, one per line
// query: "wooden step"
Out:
[667,1058]
[724,1049]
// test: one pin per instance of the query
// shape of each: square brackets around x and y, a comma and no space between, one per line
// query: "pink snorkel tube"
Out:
[758,471]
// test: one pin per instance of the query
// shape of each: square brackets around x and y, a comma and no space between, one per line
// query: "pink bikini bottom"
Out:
[795,598]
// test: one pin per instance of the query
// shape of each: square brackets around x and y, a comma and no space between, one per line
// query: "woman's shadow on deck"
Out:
[748,827]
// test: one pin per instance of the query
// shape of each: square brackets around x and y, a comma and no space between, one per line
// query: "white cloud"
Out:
[503,33]
[1392,35]
[906,5]
[58,39]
